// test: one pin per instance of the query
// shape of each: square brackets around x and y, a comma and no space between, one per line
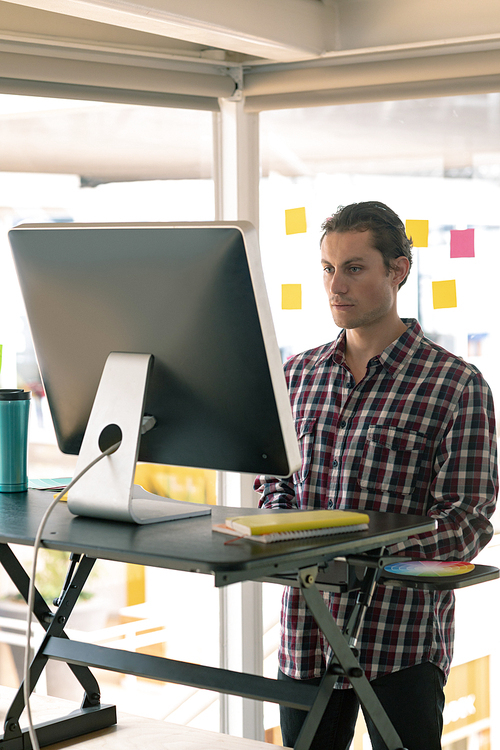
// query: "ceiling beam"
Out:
[269,29]
[268,81]
[388,24]
[287,32]
[371,80]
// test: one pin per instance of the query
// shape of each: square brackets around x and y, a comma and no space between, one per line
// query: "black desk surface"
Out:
[190,544]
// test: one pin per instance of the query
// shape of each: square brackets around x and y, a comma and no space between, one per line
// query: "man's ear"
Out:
[400,269]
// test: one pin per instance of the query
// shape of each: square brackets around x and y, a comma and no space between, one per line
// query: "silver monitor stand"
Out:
[107,490]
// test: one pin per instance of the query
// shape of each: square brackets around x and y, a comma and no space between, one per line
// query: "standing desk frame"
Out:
[191,545]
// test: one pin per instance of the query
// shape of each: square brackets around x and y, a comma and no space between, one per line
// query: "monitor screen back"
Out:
[191,295]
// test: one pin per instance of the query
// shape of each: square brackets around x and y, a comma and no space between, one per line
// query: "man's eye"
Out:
[327,269]
[355,269]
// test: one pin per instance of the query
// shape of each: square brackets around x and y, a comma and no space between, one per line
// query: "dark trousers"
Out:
[413,699]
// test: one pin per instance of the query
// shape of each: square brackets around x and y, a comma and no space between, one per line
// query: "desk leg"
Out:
[21,581]
[346,664]
[54,624]
[363,601]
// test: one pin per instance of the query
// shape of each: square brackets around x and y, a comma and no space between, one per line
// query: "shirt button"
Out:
[335,464]
[342,425]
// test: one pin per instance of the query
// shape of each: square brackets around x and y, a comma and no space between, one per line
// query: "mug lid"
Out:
[14,394]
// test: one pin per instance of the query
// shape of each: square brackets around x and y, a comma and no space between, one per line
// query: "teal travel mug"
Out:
[14,414]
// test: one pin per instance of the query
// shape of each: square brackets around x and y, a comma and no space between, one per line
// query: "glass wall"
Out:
[435,161]
[86,161]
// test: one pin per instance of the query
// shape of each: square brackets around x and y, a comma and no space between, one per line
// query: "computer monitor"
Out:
[168,320]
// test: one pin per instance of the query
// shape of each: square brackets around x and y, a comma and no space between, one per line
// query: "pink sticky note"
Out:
[462,243]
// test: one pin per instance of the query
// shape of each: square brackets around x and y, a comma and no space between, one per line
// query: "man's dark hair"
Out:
[388,231]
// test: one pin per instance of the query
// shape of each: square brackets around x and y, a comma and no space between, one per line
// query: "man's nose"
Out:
[338,284]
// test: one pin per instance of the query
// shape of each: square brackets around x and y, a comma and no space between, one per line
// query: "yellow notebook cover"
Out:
[301,520]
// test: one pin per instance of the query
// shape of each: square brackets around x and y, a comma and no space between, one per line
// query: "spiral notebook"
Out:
[301,524]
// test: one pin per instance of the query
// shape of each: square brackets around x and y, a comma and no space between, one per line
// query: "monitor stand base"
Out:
[148,508]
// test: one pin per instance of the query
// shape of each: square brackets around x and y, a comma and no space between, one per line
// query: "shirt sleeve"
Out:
[275,494]
[463,492]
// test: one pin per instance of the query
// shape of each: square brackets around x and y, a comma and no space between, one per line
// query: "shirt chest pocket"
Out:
[305,434]
[391,459]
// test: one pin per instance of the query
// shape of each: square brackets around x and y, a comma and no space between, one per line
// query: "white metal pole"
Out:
[236,177]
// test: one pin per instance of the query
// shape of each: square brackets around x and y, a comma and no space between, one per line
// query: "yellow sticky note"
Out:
[291,296]
[418,231]
[444,294]
[295,220]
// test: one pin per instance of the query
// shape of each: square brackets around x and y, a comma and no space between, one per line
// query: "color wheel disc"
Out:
[429,568]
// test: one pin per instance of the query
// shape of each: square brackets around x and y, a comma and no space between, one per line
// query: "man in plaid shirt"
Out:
[387,421]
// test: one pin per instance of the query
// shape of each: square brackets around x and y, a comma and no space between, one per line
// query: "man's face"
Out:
[360,290]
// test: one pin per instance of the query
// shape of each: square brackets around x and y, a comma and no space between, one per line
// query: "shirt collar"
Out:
[405,346]
[393,355]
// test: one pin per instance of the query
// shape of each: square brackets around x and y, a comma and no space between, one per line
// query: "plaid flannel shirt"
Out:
[416,435]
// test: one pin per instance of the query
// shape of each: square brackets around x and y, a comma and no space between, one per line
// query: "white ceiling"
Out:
[273,53]
[279,47]
[256,30]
